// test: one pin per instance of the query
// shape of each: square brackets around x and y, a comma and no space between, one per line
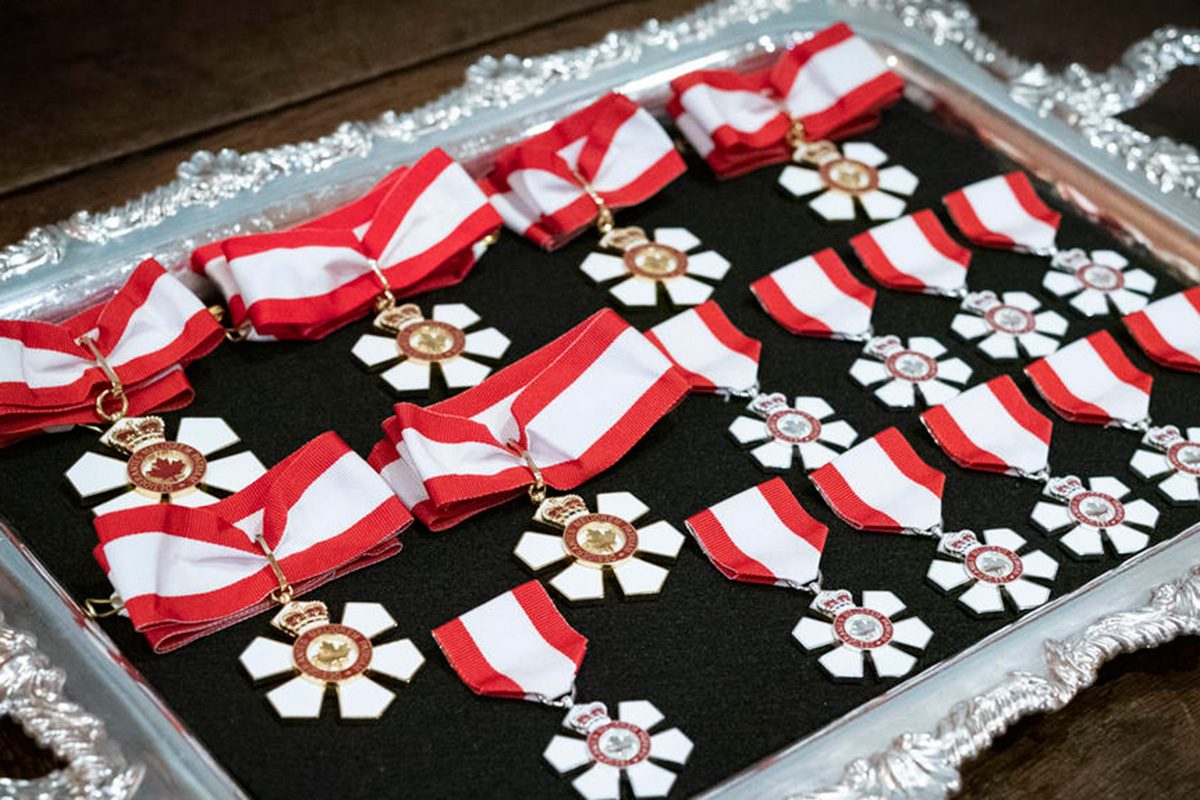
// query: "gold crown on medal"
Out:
[296,616]
[398,317]
[561,510]
[133,433]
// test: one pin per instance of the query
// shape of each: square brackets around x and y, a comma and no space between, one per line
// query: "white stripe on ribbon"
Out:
[831,74]
[874,478]
[989,426]
[516,649]
[1086,376]
[999,210]
[755,529]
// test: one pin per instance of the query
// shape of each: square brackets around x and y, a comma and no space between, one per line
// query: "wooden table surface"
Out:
[100,104]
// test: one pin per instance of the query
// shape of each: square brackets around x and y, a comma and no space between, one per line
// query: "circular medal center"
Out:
[1097,509]
[600,539]
[1185,457]
[864,628]
[1100,277]
[331,653]
[792,426]
[430,340]
[849,175]
[619,744]
[994,564]
[909,365]
[1010,319]
[655,261]
[166,468]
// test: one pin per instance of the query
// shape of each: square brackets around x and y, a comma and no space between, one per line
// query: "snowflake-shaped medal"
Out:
[1003,324]
[418,344]
[644,265]
[160,470]
[994,567]
[846,176]
[1097,280]
[784,429]
[612,746]
[1174,456]
[897,371]
[326,654]
[857,633]
[595,542]
[1086,515]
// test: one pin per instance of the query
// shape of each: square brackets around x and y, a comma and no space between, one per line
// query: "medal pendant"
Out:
[1002,327]
[991,567]
[781,431]
[644,264]
[326,654]
[609,747]
[409,347]
[895,371]
[853,633]
[848,177]
[1097,280]
[596,542]
[1172,461]
[160,470]
[1084,515]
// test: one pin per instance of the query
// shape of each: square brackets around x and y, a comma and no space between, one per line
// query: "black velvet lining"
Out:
[717,657]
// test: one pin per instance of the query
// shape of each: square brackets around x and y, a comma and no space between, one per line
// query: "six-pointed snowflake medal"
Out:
[993,567]
[1086,515]
[644,265]
[1097,280]
[1174,456]
[158,470]
[898,371]
[1003,325]
[325,654]
[612,746]
[781,430]
[857,633]
[418,344]
[595,542]
[848,176]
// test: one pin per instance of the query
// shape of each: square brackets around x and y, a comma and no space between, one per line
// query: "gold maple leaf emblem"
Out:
[333,653]
[600,539]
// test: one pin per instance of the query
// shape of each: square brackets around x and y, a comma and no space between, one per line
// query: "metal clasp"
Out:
[115,391]
[282,595]
[537,489]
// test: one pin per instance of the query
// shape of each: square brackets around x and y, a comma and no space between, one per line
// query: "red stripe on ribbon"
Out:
[1168,330]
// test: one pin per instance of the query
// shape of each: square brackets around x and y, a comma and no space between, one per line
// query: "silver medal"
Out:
[1172,462]
[1084,515]
[852,634]
[992,567]
[780,431]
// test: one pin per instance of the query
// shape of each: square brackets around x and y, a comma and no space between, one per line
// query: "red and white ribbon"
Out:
[993,428]
[1168,330]
[762,535]
[881,484]
[1005,213]
[516,645]
[817,296]
[562,414]
[182,573]
[50,376]
[417,230]
[834,85]
[1091,380]
[914,254]
[714,355]
[612,152]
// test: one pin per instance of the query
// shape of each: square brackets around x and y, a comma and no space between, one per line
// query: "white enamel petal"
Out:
[1141,513]
[489,343]
[774,455]
[679,238]
[1050,517]
[912,632]
[744,430]
[813,633]
[954,370]
[578,582]
[897,394]
[565,753]
[1139,280]
[642,713]
[816,455]
[601,782]
[661,539]
[93,474]
[927,345]
[1181,488]
[898,179]
[1039,565]
[947,574]
[685,290]
[1193,434]
[1110,258]
[834,206]
[621,504]
[264,658]
[648,779]
[194,499]
[123,501]
[1083,541]
[881,205]
[638,577]
[891,662]
[843,662]
[602,267]
[969,326]
[1027,594]
[233,473]
[1037,345]
[369,619]
[206,434]
[460,315]
[709,264]
[937,392]
[1090,303]
[1109,485]
[399,660]
[670,745]
[1000,346]
[363,698]
[1003,537]
[299,698]
[1126,301]
[1125,539]
[868,372]
[1021,300]
[800,181]
[1050,322]
[372,350]
[1149,464]
[838,432]
[814,406]
[463,372]
[540,550]
[885,603]
[983,598]
[408,376]
[636,292]
[1060,283]
[865,152]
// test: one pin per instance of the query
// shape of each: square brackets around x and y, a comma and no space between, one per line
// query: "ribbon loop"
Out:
[716,357]
[817,296]
[1168,330]
[914,254]
[1092,381]
[1005,213]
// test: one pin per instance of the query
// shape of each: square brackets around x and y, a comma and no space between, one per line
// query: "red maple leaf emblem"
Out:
[166,469]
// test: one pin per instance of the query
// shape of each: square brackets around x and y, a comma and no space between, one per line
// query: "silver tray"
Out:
[909,742]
